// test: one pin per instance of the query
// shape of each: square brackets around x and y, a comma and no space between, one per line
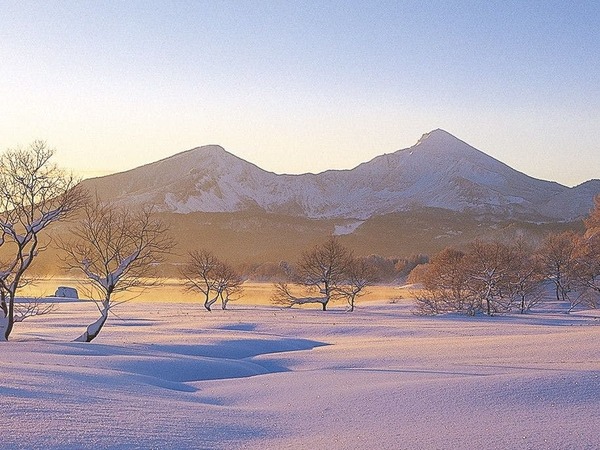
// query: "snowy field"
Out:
[171,375]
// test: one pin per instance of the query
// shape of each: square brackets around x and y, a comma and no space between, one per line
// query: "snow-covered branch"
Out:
[283,296]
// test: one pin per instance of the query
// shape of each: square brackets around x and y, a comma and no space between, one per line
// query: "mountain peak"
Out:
[210,150]
[206,154]
[445,145]
[437,136]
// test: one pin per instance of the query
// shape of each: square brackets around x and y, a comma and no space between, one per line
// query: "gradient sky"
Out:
[302,86]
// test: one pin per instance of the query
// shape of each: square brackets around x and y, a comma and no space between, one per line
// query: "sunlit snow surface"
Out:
[173,376]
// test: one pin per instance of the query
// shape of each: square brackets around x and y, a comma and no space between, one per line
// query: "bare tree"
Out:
[572,262]
[34,194]
[488,270]
[558,259]
[319,274]
[489,276]
[526,277]
[359,274]
[199,273]
[587,258]
[228,283]
[215,279]
[117,250]
[444,285]
[586,281]
[592,222]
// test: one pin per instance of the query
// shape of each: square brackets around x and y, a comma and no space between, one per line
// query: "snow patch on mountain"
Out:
[347,228]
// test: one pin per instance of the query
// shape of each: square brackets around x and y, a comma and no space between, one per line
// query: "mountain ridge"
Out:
[439,171]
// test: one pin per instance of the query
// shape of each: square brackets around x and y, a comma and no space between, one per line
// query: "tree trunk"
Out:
[224,301]
[522,304]
[3,316]
[94,329]
[7,316]
[3,327]
[324,306]
[209,303]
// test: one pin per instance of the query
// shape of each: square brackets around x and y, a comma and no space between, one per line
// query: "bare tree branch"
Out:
[31,308]
[283,296]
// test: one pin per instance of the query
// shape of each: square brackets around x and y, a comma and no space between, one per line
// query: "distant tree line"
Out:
[494,277]
[389,270]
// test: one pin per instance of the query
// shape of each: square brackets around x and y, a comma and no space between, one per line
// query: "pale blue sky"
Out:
[302,86]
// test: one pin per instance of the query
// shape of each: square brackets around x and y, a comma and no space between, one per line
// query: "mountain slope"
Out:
[439,171]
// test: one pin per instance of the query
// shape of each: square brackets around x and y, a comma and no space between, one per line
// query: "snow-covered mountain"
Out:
[439,171]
